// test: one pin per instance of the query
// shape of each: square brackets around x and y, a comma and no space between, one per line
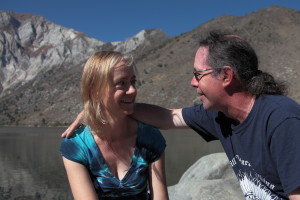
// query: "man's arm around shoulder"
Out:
[159,117]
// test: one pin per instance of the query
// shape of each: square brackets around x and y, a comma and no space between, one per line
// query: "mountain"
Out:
[41,62]
[273,32]
[31,45]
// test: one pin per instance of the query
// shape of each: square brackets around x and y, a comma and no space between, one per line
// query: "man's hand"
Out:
[77,122]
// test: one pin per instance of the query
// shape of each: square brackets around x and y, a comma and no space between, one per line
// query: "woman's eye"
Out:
[121,83]
[133,82]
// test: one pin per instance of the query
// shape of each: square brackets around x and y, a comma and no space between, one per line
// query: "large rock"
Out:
[210,178]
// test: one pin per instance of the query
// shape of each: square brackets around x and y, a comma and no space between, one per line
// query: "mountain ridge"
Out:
[31,44]
[165,66]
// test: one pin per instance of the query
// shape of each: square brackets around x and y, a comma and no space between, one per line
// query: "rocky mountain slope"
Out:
[41,62]
[273,32]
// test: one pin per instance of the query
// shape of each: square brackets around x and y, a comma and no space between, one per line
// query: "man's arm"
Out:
[156,116]
[159,117]
[69,131]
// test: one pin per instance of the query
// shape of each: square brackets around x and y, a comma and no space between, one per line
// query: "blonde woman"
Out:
[113,156]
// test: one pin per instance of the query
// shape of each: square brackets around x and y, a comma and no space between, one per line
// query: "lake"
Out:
[31,167]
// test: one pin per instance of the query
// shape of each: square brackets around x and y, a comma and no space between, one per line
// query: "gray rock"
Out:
[210,178]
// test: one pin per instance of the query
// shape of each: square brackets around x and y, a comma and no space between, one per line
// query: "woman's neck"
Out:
[118,128]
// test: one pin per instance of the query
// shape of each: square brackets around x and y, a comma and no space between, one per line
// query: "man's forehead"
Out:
[200,58]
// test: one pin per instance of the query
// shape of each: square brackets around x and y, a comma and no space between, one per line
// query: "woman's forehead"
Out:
[123,70]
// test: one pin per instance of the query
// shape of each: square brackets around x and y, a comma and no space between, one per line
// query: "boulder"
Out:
[210,178]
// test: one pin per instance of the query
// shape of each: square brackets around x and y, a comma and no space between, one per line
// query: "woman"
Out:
[113,156]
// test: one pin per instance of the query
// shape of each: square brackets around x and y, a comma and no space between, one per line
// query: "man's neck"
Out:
[239,106]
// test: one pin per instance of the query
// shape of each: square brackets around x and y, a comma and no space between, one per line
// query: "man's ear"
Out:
[228,75]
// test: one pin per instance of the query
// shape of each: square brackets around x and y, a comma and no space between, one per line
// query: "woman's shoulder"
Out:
[79,135]
[150,142]
[144,129]
[75,147]
[149,136]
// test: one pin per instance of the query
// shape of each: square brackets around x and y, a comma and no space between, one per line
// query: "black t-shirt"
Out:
[264,150]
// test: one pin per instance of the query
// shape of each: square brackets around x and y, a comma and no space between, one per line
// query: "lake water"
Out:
[31,166]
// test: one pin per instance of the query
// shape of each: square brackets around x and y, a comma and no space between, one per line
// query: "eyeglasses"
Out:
[197,73]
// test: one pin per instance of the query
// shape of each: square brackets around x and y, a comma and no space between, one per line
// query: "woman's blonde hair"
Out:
[96,75]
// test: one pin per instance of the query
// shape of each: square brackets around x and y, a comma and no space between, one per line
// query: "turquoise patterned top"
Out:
[81,148]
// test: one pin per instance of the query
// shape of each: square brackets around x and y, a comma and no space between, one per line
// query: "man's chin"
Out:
[206,106]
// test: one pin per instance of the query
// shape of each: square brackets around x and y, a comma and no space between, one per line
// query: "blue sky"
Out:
[116,20]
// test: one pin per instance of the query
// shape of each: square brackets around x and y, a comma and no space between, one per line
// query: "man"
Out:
[245,109]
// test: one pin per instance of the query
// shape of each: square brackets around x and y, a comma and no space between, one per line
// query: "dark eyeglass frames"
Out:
[198,75]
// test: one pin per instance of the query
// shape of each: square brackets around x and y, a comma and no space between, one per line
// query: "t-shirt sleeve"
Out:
[199,120]
[151,143]
[285,150]
[73,148]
